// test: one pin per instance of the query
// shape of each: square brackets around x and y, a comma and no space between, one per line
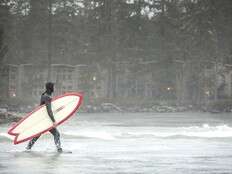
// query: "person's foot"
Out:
[28,148]
[59,150]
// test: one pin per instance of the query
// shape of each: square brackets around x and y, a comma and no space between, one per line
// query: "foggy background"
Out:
[136,54]
[157,63]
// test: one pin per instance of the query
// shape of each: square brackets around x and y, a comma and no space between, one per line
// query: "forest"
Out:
[167,33]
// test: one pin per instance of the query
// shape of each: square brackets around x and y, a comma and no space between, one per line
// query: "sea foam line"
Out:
[204,131]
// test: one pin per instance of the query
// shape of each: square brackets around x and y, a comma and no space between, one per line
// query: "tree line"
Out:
[105,31]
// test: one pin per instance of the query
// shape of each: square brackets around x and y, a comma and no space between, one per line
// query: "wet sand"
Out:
[106,144]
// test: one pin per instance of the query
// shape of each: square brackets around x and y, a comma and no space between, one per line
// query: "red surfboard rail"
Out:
[10,131]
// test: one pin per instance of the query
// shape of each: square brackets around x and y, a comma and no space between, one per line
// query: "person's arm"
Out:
[49,108]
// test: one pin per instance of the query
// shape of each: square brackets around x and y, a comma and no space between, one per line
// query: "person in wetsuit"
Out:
[46,99]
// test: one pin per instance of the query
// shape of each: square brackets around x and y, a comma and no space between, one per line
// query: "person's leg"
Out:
[56,135]
[32,142]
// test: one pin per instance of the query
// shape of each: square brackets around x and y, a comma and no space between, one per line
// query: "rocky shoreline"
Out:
[8,117]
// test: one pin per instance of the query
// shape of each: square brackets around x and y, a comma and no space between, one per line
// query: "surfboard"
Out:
[38,122]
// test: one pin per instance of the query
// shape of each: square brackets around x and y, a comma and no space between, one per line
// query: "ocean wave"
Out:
[204,131]
[6,137]
[89,134]
[113,133]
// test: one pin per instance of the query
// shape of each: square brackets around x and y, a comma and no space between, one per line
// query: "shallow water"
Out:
[167,143]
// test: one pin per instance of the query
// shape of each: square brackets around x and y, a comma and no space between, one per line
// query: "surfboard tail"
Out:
[11,132]
[15,136]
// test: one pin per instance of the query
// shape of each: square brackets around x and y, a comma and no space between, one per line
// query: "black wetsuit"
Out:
[46,99]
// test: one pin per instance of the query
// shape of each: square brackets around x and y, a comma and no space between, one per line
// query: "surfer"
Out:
[46,99]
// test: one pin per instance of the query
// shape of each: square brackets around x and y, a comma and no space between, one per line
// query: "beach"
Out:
[113,143]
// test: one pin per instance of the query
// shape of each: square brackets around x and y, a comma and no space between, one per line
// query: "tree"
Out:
[4,24]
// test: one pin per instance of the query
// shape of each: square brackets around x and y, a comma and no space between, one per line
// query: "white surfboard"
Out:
[38,121]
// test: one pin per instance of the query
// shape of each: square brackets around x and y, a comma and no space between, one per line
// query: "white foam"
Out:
[204,131]
[111,133]
[7,136]
[91,134]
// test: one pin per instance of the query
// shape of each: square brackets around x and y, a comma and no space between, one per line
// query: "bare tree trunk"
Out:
[49,40]
[215,82]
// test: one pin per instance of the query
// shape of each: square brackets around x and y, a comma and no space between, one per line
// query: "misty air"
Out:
[116,86]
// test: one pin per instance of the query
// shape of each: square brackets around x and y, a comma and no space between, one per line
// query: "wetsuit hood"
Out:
[49,87]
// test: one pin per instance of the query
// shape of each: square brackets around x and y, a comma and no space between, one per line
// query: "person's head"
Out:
[49,87]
